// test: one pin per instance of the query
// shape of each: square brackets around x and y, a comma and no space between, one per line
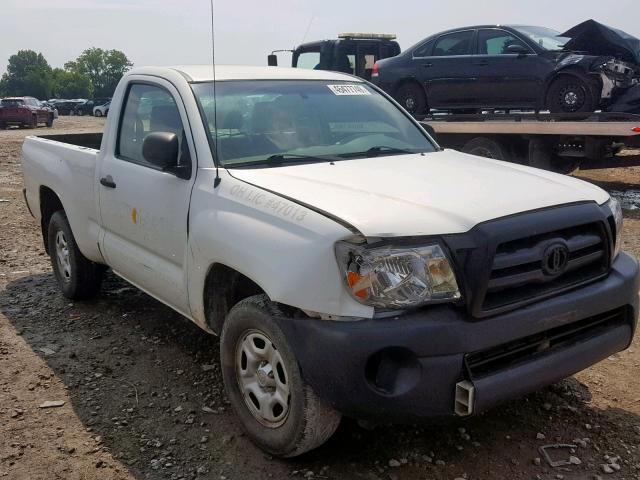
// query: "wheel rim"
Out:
[572,98]
[410,104]
[62,255]
[262,378]
[481,152]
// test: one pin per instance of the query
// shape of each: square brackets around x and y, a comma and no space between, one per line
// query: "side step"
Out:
[465,397]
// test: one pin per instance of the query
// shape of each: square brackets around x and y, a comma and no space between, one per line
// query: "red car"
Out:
[24,111]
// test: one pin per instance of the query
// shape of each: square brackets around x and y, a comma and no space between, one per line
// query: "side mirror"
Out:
[518,49]
[272,60]
[161,149]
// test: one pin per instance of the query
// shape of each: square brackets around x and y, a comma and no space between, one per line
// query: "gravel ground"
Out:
[144,397]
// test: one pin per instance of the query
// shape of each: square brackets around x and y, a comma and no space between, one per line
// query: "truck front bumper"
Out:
[407,368]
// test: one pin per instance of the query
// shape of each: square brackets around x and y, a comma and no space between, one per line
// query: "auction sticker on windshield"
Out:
[349,90]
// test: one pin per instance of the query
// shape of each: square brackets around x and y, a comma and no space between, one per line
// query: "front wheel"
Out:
[569,94]
[98,113]
[78,277]
[278,409]
[411,96]
[50,121]
[34,122]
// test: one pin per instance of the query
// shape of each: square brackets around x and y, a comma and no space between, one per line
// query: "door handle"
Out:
[107,182]
[482,63]
[427,65]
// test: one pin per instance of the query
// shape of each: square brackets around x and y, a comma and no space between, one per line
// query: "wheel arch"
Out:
[592,80]
[224,287]
[50,203]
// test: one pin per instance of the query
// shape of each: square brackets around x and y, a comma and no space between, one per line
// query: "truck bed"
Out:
[86,140]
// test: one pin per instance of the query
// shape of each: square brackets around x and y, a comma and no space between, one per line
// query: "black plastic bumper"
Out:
[406,368]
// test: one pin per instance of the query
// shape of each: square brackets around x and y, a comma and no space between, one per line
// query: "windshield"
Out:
[11,102]
[546,38]
[275,121]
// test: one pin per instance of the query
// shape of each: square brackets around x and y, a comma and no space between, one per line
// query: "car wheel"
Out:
[34,121]
[412,98]
[569,94]
[98,113]
[277,408]
[78,277]
[50,121]
[486,147]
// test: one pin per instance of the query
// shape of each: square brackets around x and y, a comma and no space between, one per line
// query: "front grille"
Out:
[503,264]
[486,362]
[519,270]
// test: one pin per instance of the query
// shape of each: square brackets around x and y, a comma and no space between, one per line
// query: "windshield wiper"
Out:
[378,149]
[279,159]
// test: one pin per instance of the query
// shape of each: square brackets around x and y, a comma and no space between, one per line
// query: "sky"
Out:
[161,32]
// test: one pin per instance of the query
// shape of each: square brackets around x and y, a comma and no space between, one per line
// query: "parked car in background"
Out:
[101,110]
[53,108]
[87,107]
[66,107]
[509,67]
[24,112]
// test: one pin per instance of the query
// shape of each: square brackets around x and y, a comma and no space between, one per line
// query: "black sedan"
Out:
[505,67]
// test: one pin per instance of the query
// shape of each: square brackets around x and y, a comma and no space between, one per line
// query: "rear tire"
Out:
[251,340]
[78,277]
[412,98]
[569,94]
[488,148]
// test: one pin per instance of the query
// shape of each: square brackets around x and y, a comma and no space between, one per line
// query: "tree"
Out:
[104,68]
[71,84]
[28,74]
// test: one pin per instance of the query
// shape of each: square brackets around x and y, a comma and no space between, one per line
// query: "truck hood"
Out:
[408,195]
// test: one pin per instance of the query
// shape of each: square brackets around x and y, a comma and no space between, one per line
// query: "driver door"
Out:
[144,210]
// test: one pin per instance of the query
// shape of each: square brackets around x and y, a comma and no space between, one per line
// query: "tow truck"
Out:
[353,53]
[558,142]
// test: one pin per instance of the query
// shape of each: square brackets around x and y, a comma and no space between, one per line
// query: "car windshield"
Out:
[11,102]
[546,38]
[271,122]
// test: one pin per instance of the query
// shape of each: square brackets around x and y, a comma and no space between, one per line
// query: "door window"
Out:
[149,109]
[309,60]
[452,44]
[496,42]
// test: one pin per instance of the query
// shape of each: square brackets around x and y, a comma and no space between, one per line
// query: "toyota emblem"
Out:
[555,259]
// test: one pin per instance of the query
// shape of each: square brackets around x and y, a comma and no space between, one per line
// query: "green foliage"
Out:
[28,73]
[71,84]
[104,68]
[96,72]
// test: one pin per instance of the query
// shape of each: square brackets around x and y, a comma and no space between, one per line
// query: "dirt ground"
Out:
[144,397]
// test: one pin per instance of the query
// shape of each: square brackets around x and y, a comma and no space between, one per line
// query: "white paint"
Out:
[284,247]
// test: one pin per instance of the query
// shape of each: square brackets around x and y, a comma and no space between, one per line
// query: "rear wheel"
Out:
[569,94]
[486,147]
[78,277]
[412,98]
[277,408]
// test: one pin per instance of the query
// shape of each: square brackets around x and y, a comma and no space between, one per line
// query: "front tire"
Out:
[98,113]
[78,277]
[277,408]
[569,94]
[50,121]
[412,98]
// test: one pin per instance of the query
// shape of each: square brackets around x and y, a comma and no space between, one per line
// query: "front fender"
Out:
[285,248]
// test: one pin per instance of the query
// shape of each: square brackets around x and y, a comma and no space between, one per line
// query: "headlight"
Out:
[397,277]
[616,209]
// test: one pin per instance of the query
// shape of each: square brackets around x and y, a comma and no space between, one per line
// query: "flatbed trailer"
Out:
[560,143]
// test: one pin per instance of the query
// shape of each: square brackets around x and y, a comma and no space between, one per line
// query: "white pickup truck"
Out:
[351,266]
